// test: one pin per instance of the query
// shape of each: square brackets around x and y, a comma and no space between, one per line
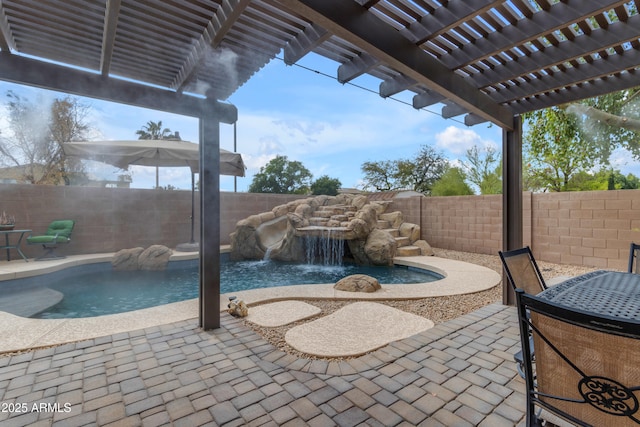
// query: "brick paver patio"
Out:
[460,373]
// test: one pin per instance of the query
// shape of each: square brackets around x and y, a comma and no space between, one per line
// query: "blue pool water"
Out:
[105,291]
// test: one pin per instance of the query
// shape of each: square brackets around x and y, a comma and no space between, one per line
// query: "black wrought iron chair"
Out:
[586,369]
[634,251]
[522,270]
[522,273]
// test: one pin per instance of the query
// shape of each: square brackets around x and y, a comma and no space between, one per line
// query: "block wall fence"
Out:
[110,219]
[592,228]
[584,228]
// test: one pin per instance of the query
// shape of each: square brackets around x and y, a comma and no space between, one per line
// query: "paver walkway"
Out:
[459,373]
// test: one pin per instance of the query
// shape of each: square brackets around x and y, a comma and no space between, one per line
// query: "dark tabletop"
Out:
[611,293]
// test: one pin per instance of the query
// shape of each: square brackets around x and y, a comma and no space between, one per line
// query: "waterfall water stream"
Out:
[325,249]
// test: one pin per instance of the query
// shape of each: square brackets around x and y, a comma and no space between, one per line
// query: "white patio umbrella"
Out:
[154,152]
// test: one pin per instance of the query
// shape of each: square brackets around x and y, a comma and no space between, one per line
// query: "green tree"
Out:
[281,176]
[452,183]
[605,179]
[628,182]
[325,185]
[557,148]
[380,176]
[587,181]
[601,125]
[483,169]
[36,134]
[421,173]
[418,174]
[610,121]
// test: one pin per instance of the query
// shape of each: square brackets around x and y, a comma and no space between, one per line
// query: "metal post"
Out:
[210,219]
[511,197]
[235,150]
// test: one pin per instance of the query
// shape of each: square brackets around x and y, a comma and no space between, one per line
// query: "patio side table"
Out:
[8,246]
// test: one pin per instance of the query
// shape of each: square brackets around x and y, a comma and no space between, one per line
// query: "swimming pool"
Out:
[99,290]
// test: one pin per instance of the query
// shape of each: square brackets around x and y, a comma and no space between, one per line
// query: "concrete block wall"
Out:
[585,228]
[591,228]
[410,208]
[468,223]
[110,219]
[107,219]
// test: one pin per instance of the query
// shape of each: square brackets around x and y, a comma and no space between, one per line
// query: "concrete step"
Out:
[335,209]
[408,251]
[403,241]
[324,213]
[321,222]
[394,232]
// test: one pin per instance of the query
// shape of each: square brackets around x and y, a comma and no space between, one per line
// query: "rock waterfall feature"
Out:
[326,229]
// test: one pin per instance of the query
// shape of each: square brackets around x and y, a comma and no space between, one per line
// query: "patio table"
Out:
[8,246]
[609,293]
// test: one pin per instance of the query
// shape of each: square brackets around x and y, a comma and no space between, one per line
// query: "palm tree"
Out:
[153,130]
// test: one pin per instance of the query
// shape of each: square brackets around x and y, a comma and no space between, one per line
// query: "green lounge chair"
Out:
[59,232]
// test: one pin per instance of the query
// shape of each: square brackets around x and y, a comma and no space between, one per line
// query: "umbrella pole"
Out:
[193,188]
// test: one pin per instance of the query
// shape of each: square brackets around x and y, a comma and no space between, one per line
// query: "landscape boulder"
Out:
[380,247]
[412,231]
[155,257]
[358,283]
[425,248]
[126,259]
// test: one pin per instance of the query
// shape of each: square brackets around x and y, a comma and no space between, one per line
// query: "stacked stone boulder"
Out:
[155,257]
[373,236]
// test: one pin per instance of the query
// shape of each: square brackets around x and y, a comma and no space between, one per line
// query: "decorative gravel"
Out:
[436,309]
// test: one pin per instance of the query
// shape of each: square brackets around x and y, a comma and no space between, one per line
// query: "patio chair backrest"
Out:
[586,366]
[522,270]
[61,228]
[634,251]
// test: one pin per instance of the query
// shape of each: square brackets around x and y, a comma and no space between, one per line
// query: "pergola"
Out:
[489,60]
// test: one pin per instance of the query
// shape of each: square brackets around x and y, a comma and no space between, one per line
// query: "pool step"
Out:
[27,302]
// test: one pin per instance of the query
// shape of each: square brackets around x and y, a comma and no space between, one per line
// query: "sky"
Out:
[304,113]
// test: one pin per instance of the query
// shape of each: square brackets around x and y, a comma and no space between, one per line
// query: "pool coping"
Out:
[24,334]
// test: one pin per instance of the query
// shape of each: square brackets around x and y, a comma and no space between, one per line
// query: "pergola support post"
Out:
[511,197]
[209,221]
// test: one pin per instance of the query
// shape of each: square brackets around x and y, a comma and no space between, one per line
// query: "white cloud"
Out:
[457,141]
[623,160]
